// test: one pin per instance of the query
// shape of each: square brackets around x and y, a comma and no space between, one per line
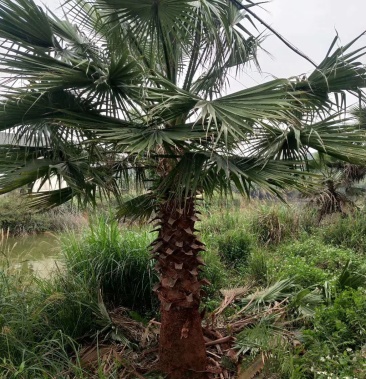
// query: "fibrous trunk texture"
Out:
[182,348]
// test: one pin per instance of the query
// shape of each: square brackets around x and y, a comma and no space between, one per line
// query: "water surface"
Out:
[34,253]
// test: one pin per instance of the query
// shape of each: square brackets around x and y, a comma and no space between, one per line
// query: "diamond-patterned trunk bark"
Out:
[182,348]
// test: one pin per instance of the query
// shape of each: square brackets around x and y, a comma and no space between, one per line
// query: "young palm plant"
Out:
[121,89]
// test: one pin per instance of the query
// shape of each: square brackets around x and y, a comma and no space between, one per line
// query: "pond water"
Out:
[36,253]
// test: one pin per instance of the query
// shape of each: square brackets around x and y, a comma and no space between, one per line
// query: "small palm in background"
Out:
[337,189]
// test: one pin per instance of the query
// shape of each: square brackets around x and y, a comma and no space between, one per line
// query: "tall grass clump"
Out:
[257,269]
[274,224]
[347,231]
[44,321]
[115,261]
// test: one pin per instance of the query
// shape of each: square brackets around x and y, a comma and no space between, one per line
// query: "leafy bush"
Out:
[321,363]
[343,323]
[311,262]
[303,273]
[318,254]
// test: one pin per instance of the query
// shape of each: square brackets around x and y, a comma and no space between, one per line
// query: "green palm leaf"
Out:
[126,82]
[50,199]
[25,23]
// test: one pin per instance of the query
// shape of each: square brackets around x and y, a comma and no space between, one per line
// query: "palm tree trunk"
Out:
[182,347]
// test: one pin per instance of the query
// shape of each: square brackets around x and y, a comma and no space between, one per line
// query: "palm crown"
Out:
[139,86]
[119,86]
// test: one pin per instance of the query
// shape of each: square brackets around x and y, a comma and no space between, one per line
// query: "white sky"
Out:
[310,25]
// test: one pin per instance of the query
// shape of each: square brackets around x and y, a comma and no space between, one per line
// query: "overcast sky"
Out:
[310,25]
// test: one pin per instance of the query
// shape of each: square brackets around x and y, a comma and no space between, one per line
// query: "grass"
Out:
[114,261]
[39,323]
[349,232]
[280,252]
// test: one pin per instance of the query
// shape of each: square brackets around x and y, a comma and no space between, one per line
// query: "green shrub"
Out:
[343,323]
[318,254]
[310,261]
[303,273]
[234,247]
[321,362]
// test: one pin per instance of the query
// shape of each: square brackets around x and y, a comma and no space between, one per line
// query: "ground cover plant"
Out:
[121,90]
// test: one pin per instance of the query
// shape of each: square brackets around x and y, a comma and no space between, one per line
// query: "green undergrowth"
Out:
[349,232]
[280,252]
[335,345]
[310,261]
[40,322]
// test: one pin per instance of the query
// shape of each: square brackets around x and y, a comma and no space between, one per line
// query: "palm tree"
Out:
[121,89]
[334,189]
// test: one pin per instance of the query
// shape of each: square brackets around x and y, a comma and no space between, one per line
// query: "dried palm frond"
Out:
[252,371]
[229,297]
[353,173]
[328,198]
[329,202]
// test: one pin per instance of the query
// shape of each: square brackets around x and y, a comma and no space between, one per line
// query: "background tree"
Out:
[117,87]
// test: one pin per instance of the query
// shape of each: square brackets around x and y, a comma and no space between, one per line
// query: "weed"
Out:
[335,343]
[38,324]
[220,222]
